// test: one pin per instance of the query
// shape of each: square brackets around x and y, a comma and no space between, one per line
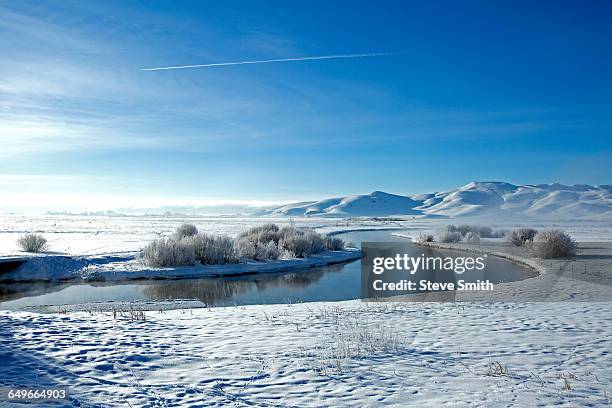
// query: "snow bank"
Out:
[115,268]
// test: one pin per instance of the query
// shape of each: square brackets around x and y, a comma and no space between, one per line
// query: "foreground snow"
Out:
[319,354]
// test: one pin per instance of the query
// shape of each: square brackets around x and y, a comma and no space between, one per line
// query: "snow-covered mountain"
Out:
[377,203]
[476,199]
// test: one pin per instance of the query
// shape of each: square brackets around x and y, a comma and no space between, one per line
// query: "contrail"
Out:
[322,57]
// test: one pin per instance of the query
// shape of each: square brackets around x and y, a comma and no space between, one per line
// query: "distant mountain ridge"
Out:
[475,199]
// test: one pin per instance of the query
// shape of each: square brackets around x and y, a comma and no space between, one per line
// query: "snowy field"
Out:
[319,354]
[99,235]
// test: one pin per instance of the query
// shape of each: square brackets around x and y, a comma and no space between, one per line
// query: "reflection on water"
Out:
[330,283]
[334,282]
[215,291]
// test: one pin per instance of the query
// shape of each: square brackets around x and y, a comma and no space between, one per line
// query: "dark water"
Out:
[330,283]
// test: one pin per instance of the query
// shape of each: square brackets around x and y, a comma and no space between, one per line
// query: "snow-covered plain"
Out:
[103,235]
[111,235]
[313,354]
[319,354]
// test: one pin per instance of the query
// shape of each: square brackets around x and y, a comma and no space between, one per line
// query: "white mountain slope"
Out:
[476,199]
[377,203]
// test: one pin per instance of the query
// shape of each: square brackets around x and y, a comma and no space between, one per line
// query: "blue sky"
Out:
[512,91]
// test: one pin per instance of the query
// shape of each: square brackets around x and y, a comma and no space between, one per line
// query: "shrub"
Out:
[333,243]
[448,233]
[167,252]
[262,234]
[464,229]
[267,251]
[284,254]
[498,233]
[553,244]
[483,231]
[244,248]
[302,243]
[212,249]
[261,243]
[471,237]
[185,230]
[32,243]
[256,242]
[520,236]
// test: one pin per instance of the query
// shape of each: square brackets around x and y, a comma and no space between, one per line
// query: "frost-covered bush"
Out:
[302,243]
[285,254]
[213,249]
[448,233]
[268,241]
[316,241]
[464,229]
[483,231]
[267,251]
[167,252]
[185,230]
[498,233]
[333,243]
[262,234]
[261,243]
[423,238]
[32,243]
[244,248]
[553,244]
[520,236]
[471,237]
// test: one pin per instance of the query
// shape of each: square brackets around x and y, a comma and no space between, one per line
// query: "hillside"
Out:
[476,199]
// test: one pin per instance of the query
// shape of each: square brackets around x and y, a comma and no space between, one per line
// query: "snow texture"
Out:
[318,354]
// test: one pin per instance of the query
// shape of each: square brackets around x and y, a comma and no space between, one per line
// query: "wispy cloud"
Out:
[320,57]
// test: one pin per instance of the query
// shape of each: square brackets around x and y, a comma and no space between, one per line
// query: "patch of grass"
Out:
[355,340]
[496,369]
